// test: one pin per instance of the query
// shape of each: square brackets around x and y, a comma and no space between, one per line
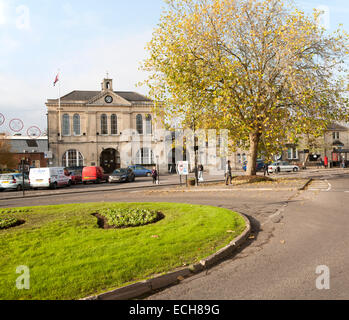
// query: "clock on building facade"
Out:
[108,99]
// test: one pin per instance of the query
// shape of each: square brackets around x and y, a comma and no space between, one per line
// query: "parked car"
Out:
[48,178]
[140,171]
[13,181]
[260,165]
[282,166]
[75,176]
[122,175]
[94,174]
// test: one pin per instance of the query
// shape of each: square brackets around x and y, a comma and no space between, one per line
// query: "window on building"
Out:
[148,124]
[76,125]
[145,156]
[244,157]
[104,124]
[32,143]
[239,158]
[292,154]
[139,124]
[66,125]
[36,163]
[335,135]
[72,159]
[114,124]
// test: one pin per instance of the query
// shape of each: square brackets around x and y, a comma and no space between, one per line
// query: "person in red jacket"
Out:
[326,162]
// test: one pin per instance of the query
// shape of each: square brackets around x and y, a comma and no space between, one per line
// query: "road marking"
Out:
[329,186]
[320,185]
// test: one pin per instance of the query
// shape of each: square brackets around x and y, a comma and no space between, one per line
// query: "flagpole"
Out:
[59,106]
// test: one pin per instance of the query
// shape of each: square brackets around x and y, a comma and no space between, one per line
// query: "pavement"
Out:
[294,232]
[311,231]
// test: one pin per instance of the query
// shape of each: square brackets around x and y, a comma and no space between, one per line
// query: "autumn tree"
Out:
[7,159]
[262,69]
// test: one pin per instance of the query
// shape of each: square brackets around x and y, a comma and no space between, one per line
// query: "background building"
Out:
[96,128]
[34,151]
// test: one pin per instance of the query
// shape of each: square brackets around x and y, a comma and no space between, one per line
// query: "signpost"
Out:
[183,170]
[48,155]
[24,162]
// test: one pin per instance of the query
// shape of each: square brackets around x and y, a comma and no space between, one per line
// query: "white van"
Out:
[49,178]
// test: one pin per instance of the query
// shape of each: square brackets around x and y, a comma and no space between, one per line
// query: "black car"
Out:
[122,175]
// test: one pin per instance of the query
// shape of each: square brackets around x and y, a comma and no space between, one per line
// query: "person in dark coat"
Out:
[154,174]
[228,174]
[265,169]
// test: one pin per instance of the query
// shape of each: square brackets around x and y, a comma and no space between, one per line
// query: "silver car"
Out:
[13,181]
[282,166]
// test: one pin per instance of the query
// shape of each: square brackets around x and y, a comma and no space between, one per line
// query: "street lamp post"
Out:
[158,165]
[23,164]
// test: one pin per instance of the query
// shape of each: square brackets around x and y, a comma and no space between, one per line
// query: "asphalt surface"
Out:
[312,230]
[293,233]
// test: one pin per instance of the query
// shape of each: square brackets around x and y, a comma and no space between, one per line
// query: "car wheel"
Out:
[148,174]
[278,170]
[54,186]
[19,188]
[295,169]
[69,183]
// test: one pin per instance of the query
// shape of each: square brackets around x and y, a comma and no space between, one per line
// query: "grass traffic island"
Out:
[71,257]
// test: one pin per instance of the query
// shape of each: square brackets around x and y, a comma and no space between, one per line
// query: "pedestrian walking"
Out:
[228,175]
[155,175]
[321,162]
[265,169]
[201,173]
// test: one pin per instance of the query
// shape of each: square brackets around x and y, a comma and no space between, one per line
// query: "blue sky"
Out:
[85,39]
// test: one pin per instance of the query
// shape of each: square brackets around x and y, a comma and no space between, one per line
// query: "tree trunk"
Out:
[252,157]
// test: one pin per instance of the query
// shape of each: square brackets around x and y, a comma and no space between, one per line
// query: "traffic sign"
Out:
[183,168]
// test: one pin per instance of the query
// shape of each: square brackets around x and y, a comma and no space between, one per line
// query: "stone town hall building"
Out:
[94,129]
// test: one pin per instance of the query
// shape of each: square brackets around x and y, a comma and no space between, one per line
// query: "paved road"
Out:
[141,182]
[313,231]
[147,182]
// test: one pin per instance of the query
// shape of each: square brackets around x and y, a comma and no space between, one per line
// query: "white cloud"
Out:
[3,12]
[23,18]
[77,18]
[8,45]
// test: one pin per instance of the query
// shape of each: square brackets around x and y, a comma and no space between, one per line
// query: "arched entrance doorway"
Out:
[110,160]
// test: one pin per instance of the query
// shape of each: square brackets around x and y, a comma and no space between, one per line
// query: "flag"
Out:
[56,80]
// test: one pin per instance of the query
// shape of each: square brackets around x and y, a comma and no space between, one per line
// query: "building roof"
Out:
[88,95]
[23,144]
[335,126]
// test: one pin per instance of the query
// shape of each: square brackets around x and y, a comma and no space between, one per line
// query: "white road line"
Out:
[320,185]
[329,186]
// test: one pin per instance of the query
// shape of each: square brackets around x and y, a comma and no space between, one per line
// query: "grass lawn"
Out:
[70,257]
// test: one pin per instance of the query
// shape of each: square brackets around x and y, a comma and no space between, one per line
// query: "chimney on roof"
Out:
[107,84]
